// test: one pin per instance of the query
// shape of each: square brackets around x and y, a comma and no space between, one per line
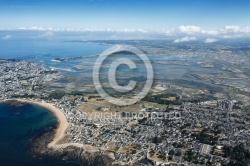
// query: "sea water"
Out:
[18,125]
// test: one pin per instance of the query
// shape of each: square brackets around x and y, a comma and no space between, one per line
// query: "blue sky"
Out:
[121,14]
[124,15]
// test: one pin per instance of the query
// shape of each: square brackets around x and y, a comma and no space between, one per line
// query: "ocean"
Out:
[18,125]
[46,51]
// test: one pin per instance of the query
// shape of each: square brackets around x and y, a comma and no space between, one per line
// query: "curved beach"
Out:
[61,128]
[63,123]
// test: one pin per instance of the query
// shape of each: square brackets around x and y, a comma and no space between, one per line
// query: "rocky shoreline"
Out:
[39,148]
[13,103]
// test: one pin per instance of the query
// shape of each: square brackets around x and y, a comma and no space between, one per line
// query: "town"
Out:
[183,133]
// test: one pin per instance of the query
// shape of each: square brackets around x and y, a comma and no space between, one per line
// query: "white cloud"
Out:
[232,28]
[209,32]
[189,29]
[7,37]
[35,28]
[229,31]
[210,40]
[40,28]
[183,29]
[21,28]
[234,31]
[185,39]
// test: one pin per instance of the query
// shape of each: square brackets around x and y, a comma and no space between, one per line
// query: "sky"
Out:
[154,17]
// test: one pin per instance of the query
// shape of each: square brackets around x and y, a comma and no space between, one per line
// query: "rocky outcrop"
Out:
[14,103]
[39,147]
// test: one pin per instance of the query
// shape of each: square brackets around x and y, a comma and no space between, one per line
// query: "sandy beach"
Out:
[63,123]
[62,127]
